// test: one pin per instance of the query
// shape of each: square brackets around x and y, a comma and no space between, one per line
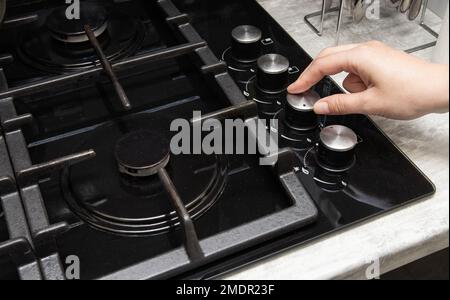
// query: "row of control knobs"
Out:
[273,69]
[337,143]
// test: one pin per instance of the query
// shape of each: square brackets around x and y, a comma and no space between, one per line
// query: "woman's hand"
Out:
[381,81]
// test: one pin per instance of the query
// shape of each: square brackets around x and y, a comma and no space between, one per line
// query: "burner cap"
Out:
[72,31]
[142,153]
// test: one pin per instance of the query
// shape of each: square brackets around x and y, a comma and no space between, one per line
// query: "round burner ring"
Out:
[72,31]
[142,153]
[80,38]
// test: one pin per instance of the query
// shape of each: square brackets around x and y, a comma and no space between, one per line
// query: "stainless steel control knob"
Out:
[337,147]
[299,111]
[246,43]
[273,72]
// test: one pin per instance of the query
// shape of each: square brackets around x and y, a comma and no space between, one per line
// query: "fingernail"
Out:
[322,108]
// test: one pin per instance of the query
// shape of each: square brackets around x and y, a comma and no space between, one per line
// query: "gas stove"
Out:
[86,169]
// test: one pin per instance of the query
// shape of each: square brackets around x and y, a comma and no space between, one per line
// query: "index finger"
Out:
[340,60]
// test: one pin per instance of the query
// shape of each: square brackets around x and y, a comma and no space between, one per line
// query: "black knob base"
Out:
[333,161]
[331,182]
[293,138]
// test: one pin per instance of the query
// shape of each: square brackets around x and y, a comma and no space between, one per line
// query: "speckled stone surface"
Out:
[399,237]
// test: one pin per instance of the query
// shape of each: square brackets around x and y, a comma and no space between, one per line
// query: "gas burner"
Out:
[142,153]
[131,200]
[61,46]
[72,31]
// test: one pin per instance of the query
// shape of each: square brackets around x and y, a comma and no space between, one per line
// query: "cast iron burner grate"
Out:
[15,245]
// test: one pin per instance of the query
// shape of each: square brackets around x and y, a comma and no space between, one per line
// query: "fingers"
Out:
[342,104]
[337,49]
[332,64]
[354,84]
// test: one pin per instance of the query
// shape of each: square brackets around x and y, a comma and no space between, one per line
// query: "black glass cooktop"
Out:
[119,226]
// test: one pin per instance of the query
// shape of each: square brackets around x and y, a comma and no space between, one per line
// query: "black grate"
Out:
[17,259]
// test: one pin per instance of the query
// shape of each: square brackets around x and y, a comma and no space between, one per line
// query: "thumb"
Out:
[342,104]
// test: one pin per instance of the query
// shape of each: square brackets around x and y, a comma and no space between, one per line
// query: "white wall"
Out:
[438,6]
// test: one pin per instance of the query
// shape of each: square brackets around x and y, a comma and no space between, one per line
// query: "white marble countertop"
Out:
[394,239]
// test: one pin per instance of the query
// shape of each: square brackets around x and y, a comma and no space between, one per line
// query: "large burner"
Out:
[62,46]
[130,199]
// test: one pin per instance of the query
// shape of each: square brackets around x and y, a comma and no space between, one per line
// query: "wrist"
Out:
[435,91]
[441,103]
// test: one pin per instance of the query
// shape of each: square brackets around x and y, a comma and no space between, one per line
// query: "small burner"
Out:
[142,153]
[72,31]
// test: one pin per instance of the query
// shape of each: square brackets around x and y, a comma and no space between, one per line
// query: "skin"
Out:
[382,81]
